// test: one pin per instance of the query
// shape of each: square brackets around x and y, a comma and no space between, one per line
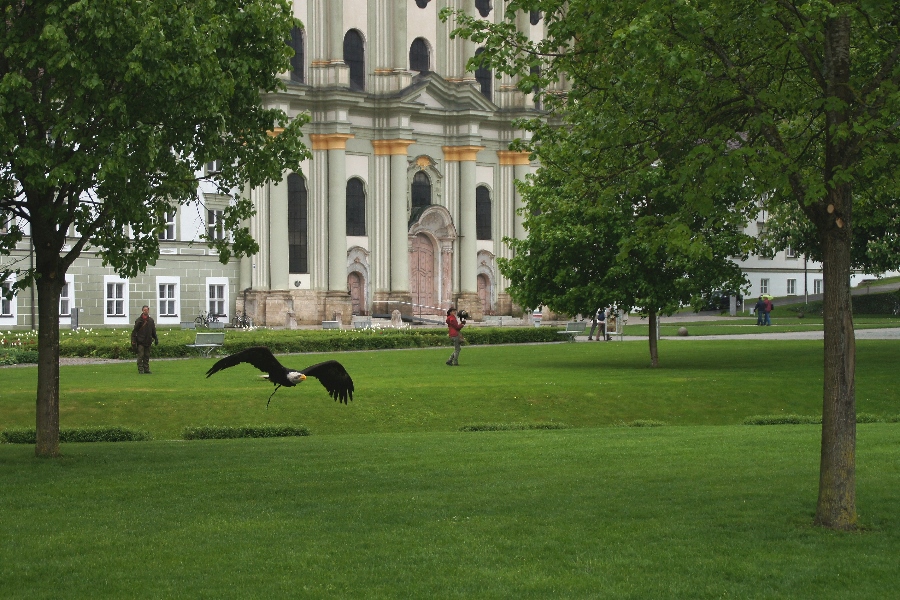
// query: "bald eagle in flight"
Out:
[330,373]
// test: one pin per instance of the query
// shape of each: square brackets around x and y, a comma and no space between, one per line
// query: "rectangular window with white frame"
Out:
[791,287]
[167,233]
[217,296]
[215,224]
[763,286]
[790,252]
[67,300]
[817,286]
[115,299]
[168,300]
[8,313]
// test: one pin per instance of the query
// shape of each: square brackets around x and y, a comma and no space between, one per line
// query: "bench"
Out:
[572,329]
[206,343]
[331,324]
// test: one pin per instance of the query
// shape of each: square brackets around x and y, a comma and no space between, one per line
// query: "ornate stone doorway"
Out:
[484,293]
[357,289]
[431,241]
[421,281]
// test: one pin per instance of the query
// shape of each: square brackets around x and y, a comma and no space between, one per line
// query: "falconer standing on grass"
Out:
[453,329]
[142,335]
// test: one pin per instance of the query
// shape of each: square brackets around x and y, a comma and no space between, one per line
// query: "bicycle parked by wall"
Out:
[242,320]
[205,319]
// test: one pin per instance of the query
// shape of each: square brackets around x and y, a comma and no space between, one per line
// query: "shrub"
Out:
[18,357]
[783,420]
[222,432]
[112,433]
[512,426]
[643,423]
[806,419]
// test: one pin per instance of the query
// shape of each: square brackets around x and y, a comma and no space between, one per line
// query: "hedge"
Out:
[78,434]
[864,304]
[221,432]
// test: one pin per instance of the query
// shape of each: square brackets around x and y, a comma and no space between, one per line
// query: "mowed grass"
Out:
[670,512]
[581,385]
[387,499]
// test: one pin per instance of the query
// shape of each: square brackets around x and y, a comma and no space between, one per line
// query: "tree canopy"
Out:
[796,100]
[108,111]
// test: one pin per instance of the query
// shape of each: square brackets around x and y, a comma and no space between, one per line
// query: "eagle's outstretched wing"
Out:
[334,377]
[258,356]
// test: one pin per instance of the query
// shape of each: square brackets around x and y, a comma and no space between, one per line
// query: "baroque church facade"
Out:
[410,189]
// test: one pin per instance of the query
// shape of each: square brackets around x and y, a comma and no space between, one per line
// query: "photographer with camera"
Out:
[454,328]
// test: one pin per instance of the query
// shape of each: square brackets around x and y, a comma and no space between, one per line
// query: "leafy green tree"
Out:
[597,243]
[798,100]
[108,110]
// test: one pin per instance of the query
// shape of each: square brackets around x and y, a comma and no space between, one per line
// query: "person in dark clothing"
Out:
[760,308]
[143,334]
[598,322]
[766,310]
[454,328]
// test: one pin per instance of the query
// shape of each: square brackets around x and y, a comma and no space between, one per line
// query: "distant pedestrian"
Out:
[454,328]
[599,323]
[142,335]
[767,310]
[760,308]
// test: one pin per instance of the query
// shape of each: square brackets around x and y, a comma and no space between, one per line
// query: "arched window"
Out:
[355,57]
[419,58]
[482,213]
[536,70]
[297,73]
[297,235]
[422,3]
[421,190]
[356,207]
[484,77]
[484,7]
[535,17]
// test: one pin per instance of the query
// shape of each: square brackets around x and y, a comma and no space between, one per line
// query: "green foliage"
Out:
[865,304]
[644,423]
[105,433]
[14,356]
[513,426]
[807,419]
[223,432]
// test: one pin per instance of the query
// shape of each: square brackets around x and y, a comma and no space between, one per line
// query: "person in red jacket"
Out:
[453,329]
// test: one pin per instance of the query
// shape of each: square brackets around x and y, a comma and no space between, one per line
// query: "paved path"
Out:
[861,334]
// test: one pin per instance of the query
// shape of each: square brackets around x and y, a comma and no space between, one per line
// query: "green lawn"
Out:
[387,499]
[583,385]
[671,512]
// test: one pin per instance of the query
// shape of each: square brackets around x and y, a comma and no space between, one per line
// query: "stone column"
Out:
[278,235]
[337,300]
[326,44]
[396,150]
[468,245]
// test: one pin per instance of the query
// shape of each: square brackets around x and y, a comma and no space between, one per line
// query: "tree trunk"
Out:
[836,507]
[47,426]
[654,350]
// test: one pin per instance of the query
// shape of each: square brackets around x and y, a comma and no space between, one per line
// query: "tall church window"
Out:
[484,7]
[536,70]
[421,190]
[419,58]
[355,58]
[297,73]
[484,77]
[356,207]
[535,17]
[297,224]
[482,213]
[422,3]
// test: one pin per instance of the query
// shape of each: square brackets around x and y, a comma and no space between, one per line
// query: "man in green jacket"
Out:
[142,335]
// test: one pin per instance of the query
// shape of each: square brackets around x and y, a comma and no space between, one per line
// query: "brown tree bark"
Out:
[836,507]
[654,340]
[47,413]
